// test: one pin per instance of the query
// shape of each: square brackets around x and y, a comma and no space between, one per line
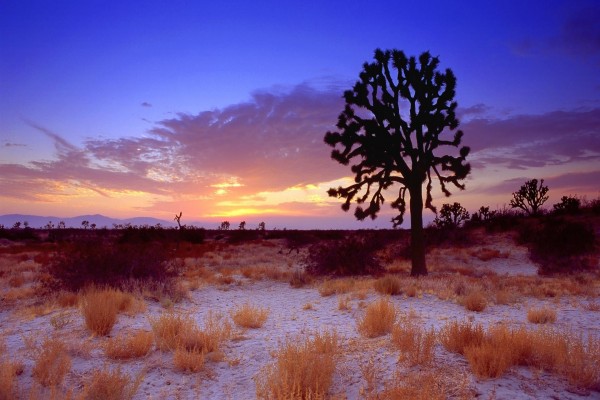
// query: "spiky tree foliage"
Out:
[451,216]
[530,197]
[396,128]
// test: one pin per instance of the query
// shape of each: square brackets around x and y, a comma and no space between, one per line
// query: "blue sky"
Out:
[89,80]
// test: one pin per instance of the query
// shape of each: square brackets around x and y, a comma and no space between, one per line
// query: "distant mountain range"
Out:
[35,221]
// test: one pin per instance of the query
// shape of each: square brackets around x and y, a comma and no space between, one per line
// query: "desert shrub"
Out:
[336,286]
[52,362]
[105,261]
[107,384]
[303,369]
[560,245]
[353,255]
[390,285]
[436,384]
[567,205]
[299,278]
[189,360]
[249,316]
[451,216]
[541,315]
[242,235]
[378,319]
[132,345]
[487,360]
[100,308]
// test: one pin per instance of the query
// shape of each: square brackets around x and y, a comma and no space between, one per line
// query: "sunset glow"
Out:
[219,112]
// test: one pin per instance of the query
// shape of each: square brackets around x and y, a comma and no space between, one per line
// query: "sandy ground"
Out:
[252,349]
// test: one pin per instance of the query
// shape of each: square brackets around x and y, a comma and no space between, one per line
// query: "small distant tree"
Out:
[242,226]
[178,219]
[61,225]
[49,225]
[85,224]
[17,225]
[567,205]
[530,197]
[93,226]
[224,226]
[451,216]
[396,128]
[261,226]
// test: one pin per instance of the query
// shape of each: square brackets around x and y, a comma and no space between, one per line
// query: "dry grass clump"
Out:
[67,299]
[302,370]
[475,301]
[541,315]
[436,384]
[189,360]
[179,333]
[133,345]
[344,303]
[336,286]
[52,362]
[456,336]
[388,285]
[100,308]
[8,379]
[415,343]
[106,384]
[249,316]
[378,319]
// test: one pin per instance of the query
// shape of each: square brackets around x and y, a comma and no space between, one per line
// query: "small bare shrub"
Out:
[378,319]
[336,286]
[52,363]
[302,370]
[542,315]
[106,384]
[133,345]
[249,316]
[487,360]
[353,255]
[100,308]
[388,285]
[475,301]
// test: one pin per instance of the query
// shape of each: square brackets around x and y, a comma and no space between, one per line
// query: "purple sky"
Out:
[219,110]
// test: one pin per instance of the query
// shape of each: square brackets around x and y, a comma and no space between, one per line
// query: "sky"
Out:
[218,109]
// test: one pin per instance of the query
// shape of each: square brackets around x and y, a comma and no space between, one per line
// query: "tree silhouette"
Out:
[224,226]
[85,224]
[393,125]
[242,226]
[178,219]
[530,197]
[451,216]
[261,226]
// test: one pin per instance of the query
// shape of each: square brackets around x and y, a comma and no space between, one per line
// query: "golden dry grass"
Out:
[189,360]
[8,379]
[414,342]
[475,301]
[303,369]
[110,384]
[100,308]
[51,362]
[456,336]
[337,286]
[378,319]
[388,285]
[127,346]
[249,316]
[344,303]
[429,384]
[542,315]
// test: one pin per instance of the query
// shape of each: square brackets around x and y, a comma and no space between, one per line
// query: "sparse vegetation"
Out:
[388,285]
[378,319]
[249,316]
[127,346]
[110,384]
[541,315]
[353,255]
[52,362]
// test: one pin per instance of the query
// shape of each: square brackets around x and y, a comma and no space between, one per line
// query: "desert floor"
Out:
[219,282]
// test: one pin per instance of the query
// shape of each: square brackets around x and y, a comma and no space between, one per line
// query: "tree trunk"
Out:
[417,235]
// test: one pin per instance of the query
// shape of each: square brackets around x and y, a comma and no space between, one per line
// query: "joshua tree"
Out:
[61,225]
[393,128]
[242,225]
[261,226]
[224,226]
[451,216]
[567,205]
[26,224]
[17,225]
[530,197]
[178,219]
[85,224]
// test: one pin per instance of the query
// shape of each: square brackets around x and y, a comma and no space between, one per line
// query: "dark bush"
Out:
[192,235]
[17,235]
[103,261]
[559,245]
[353,255]
[567,205]
[242,235]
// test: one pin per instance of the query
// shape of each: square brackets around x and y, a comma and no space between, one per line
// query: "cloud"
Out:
[578,36]
[11,144]
[526,141]
[146,104]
